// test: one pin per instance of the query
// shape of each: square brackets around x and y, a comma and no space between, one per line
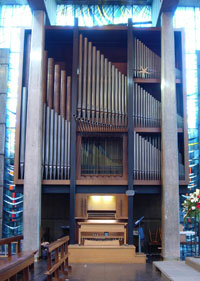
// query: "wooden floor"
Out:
[104,272]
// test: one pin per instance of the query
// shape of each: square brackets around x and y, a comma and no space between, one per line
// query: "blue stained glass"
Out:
[106,13]
[197,18]
[12,18]
[190,40]
[16,39]
[189,19]
[191,82]
[101,14]
[5,37]
[14,60]
[191,61]
[62,11]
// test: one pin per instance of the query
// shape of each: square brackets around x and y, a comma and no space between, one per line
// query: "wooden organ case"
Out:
[101,117]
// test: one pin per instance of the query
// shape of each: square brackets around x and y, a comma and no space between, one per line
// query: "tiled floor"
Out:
[104,272]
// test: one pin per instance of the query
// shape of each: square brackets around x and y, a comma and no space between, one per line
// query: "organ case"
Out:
[102,107]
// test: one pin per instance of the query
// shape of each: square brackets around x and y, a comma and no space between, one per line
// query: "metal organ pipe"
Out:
[102,93]
[56,123]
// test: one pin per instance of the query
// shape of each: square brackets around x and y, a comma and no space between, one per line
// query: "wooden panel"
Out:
[151,80]
[105,254]
[103,181]
[121,206]
[81,206]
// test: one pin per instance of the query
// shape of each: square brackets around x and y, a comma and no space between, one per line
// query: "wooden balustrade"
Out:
[12,264]
[9,241]
[59,263]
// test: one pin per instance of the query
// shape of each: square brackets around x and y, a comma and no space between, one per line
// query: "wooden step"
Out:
[105,254]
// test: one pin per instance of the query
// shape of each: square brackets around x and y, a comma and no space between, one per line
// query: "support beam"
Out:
[169,149]
[162,6]
[130,88]
[73,133]
[48,6]
[33,152]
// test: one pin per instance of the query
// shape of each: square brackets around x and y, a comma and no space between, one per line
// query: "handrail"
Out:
[60,247]
[57,243]
[8,241]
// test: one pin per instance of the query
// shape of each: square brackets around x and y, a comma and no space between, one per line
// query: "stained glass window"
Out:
[12,18]
[189,19]
[90,15]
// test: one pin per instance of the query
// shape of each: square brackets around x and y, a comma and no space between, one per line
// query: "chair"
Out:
[154,239]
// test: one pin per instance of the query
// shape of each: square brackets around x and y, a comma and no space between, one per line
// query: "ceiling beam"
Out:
[162,6]
[49,6]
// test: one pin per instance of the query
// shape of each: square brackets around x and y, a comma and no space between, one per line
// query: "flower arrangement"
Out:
[191,205]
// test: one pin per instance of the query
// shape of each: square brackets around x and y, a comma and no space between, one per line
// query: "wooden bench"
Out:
[11,265]
[60,263]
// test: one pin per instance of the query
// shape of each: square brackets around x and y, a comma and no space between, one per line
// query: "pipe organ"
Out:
[56,122]
[88,123]
[102,90]
[147,63]
[101,113]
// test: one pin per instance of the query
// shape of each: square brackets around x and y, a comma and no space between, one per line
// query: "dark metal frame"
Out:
[73,132]
[130,89]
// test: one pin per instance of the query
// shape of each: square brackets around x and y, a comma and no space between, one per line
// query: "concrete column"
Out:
[169,150]
[33,152]
[4,58]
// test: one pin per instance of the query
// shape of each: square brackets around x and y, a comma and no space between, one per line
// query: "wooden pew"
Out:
[60,264]
[13,264]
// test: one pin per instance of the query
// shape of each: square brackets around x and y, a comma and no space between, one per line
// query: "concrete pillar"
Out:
[4,59]
[33,152]
[169,150]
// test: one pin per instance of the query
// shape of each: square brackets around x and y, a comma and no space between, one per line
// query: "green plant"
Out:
[191,205]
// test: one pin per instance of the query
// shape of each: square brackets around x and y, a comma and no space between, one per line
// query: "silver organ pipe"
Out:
[147,63]
[56,124]
[147,157]
[101,90]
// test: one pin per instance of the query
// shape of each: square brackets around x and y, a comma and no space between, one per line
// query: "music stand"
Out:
[137,224]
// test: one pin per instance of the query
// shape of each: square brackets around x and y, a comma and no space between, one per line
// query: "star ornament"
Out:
[143,71]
